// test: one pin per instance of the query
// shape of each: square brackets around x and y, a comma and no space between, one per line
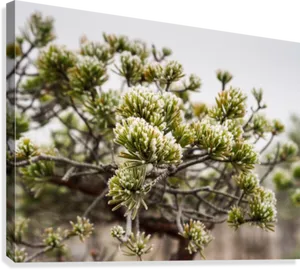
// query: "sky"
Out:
[273,65]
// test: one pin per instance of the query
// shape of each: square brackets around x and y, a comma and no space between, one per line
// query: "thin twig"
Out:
[272,165]
[241,198]
[221,210]
[94,203]
[251,117]
[191,163]
[267,145]
[38,253]
[83,118]
[67,175]
[178,218]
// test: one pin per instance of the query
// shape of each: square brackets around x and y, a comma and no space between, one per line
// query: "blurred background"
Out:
[255,62]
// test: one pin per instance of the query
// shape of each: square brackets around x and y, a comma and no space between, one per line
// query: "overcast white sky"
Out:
[255,62]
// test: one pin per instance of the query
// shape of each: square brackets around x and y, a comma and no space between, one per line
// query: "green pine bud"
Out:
[262,209]
[131,68]
[172,110]
[53,238]
[215,139]
[55,62]
[103,109]
[36,175]
[33,85]
[117,232]
[260,125]
[193,84]
[236,217]
[143,103]
[258,95]
[145,143]
[39,30]
[277,127]
[243,156]
[288,151]
[247,182]
[87,74]
[224,77]
[102,52]
[83,228]
[234,126]
[127,188]
[184,134]
[200,110]
[172,72]
[231,104]
[117,43]
[26,149]
[197,235]
[137,245]
[152,72]
[282,179]
[166,51]
[139,48]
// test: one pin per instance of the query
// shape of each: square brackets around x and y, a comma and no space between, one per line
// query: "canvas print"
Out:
[132,140]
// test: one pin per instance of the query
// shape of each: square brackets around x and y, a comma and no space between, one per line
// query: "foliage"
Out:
[260,211]
[247,182]
[127,188]
[137,245]
[55,62]
[197,235]
[146,143]
[17,254]
[230,104]
[83,228]
[53,238]
[39,31]
[26,149]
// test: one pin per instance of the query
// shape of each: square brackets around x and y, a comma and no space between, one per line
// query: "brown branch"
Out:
[101,168]
[38,253]
[74,185]
[190,163]
[31,245]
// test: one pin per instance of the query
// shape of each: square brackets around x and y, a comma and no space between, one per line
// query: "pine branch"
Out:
[100,168]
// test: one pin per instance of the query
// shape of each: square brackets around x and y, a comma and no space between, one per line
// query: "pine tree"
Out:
[144,156]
